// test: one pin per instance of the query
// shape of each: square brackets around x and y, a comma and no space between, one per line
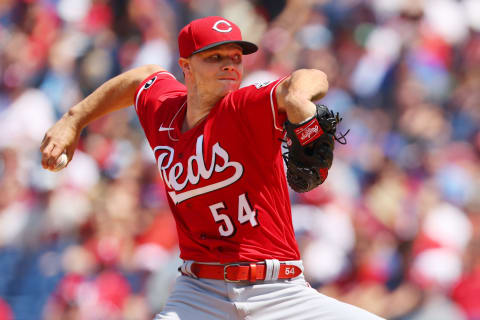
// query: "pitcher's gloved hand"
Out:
[310,149]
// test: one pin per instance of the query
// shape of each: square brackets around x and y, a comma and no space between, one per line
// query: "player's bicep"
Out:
[296,93]
[155,88]
[281,94]
[151,94]
[138,75]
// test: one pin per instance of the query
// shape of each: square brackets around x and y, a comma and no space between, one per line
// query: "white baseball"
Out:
[62,161]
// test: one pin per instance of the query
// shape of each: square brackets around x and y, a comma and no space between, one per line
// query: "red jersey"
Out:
[224,178]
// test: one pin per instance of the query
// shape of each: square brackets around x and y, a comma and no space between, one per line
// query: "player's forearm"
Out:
[298,92]
[117,93]
[114,94]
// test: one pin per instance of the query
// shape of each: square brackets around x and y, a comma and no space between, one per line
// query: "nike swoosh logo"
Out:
[162,128]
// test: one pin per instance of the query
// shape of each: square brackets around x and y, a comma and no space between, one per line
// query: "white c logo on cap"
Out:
[228,29]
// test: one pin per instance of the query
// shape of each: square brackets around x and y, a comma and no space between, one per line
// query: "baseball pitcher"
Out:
[218,151]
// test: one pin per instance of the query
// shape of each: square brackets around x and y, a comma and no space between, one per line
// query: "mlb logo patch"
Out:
[149,83]
[308,132]
[260,85]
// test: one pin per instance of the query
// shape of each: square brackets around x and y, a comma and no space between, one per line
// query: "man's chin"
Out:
[231,86]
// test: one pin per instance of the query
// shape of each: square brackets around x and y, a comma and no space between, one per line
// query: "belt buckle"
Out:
[225,268]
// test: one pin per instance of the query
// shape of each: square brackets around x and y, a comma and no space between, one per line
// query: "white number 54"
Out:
[245,214]
[289,270]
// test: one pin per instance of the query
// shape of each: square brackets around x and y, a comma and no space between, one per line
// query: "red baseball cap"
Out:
[205,33]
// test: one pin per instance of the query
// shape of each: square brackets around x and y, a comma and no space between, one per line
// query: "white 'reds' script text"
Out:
[174,176]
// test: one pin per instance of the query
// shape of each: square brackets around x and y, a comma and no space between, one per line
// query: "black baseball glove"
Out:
[310,149]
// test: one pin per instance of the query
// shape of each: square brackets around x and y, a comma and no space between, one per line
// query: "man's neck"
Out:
[198,108]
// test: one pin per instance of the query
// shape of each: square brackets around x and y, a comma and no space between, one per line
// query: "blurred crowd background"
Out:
[394,230]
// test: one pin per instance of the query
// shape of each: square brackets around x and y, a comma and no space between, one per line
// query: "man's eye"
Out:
[215,57]
[237,58]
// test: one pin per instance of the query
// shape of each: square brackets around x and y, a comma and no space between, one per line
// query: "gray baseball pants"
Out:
[294,299]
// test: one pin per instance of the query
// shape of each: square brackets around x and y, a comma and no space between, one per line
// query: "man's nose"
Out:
[228,67]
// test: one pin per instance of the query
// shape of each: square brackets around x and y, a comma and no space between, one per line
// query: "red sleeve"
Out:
[152,92]
[258,106]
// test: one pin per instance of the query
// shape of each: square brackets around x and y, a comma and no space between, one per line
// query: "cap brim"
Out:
[247,47]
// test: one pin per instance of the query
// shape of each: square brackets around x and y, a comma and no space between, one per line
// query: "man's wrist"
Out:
[74,118]
[299,109]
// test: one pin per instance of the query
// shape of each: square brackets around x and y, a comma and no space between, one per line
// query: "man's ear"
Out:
[184,65]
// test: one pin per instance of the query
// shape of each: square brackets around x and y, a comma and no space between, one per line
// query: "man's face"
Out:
[215,72]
